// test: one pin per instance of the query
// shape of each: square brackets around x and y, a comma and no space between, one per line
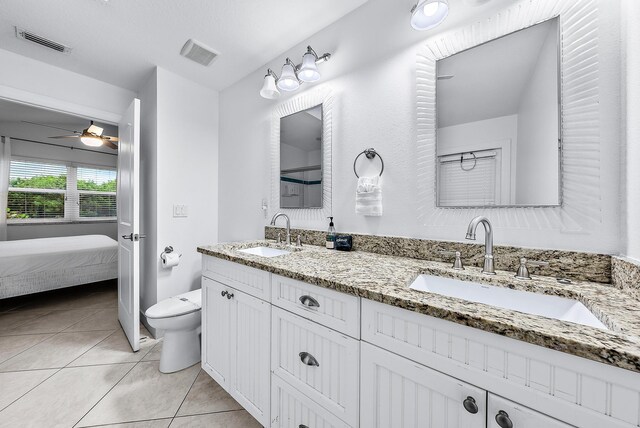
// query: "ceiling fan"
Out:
[91,136]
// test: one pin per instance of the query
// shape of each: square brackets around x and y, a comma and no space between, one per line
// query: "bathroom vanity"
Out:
[319,338]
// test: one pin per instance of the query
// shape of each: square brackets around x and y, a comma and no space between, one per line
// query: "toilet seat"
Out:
[175,306]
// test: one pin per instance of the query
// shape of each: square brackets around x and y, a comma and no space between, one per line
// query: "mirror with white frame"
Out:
[498,122]
[301,157]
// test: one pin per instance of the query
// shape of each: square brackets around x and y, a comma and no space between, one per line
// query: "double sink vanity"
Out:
[303,337]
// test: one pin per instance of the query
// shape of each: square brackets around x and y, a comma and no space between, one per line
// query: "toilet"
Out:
[179,317]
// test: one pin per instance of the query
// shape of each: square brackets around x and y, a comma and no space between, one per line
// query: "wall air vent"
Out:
[32,37]
[198,52]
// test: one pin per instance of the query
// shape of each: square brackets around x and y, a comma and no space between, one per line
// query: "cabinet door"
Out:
[250,328]
[504,413]
[215,331]
[399,393]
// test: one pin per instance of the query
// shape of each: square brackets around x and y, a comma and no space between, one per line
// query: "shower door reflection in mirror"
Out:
[498,126]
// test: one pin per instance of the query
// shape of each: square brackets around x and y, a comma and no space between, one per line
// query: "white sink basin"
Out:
[265,251]
[559,308]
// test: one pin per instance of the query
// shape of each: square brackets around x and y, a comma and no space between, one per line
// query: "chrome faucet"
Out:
[488,242]
[273,223]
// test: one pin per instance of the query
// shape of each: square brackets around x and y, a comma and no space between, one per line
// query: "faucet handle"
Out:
[457,263]
[523,270]
[279,238]
[299,241]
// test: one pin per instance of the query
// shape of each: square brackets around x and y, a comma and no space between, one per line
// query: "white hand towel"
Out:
[369,196]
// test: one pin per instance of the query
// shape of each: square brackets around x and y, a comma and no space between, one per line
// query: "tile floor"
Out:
[65,362]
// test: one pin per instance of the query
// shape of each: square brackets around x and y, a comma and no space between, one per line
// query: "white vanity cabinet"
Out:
[399,393]
[235,345]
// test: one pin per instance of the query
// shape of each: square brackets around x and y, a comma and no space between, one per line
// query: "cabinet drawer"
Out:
[504,411]
[292,409]
[252,281]
[320,362]
[330,308]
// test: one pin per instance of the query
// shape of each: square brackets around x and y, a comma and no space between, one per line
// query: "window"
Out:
[40,192]
[36,190]
[97,192]
[472,180]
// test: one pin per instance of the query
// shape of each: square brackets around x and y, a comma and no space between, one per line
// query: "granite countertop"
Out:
[387,279]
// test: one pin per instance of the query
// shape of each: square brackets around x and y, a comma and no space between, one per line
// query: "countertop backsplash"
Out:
[574,265]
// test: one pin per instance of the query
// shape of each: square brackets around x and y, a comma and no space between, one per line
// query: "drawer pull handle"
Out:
[503,420]
[224,293]
[309,301]
[309,359]
[470,405]
[229,296]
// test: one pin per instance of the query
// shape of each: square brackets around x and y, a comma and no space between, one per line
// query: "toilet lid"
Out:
[181,304]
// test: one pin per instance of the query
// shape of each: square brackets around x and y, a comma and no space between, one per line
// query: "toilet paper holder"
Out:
[168,250]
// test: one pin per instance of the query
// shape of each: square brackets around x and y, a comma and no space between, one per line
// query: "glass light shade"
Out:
[288,80]
[428,14]
[91,140]
[269,90]
[309,70]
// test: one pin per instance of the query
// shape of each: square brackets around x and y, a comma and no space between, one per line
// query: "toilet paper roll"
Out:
[170,260]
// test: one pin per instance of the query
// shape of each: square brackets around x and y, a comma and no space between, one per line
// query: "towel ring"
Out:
[370,154]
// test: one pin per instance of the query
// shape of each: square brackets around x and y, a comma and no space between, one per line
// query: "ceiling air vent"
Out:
[32,37]
[198,52]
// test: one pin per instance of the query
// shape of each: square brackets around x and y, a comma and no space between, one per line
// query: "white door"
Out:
[504,413]
[399,393]
[129,224]
[250,329]
[216,331]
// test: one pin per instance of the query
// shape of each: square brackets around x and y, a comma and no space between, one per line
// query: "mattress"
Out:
[32,256]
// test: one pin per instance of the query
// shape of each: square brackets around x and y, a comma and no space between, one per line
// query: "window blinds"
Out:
[463,184]
[97,192]
[36,190]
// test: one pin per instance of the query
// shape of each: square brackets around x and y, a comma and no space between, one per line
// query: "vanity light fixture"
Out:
[292,75]
[427,14]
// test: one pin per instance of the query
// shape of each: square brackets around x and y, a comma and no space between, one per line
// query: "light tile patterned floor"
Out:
[65,362]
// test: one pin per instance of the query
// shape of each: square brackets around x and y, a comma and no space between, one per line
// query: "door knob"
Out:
[503,420]
[470,405]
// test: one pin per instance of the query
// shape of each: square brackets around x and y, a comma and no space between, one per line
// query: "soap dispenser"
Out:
[331,235]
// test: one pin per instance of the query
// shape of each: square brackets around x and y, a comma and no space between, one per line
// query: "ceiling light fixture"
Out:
[427,14]
[91,140]
[292,75]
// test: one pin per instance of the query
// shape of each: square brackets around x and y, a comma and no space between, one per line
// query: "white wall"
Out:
[179,166]
[631,105]
[70,92]
[372,73]
[537,167]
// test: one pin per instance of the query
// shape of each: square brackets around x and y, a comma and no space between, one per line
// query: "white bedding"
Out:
[29,256]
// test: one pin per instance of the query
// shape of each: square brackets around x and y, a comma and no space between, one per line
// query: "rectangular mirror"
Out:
[498,122]
[301,159]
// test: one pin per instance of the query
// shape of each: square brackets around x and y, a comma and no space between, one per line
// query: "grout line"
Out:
[25,350]
[185,396]
[212,413]
[79,356]
[34,387]
[106,393]
[130,422]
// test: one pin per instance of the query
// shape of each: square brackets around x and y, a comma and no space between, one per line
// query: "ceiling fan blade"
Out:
[110,138]
[66,136]
[110,144]
[51,126]
[93,129]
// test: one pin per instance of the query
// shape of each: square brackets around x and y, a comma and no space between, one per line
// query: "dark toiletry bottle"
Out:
[331,236]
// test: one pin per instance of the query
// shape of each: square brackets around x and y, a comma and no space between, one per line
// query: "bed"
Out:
[33,265]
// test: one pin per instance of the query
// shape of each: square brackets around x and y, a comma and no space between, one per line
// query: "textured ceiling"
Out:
[120,41]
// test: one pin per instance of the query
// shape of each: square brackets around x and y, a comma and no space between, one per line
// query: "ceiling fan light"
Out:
[309,70]
[91,140]
[288,80]
[427,14]
[269,89]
